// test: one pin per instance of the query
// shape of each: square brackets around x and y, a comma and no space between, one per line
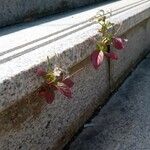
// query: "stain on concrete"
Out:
[14,116]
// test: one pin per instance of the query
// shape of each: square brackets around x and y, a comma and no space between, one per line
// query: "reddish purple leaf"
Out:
[64,89]
[53,87]
[97,58]
[47,95]
[68,82]
[119,43]
[40,72]
[111,55]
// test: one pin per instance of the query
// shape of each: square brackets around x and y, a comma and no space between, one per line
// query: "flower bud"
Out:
[119,43]
[111,55]
[97,58]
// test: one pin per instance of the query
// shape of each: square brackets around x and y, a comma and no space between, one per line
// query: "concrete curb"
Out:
[24,48]
[27,122]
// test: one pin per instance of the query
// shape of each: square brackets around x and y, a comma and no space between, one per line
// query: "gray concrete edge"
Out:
[28,75]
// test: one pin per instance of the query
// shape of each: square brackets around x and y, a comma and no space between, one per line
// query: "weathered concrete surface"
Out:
[32,124]
[124,123]
[25,47]
[137,45]
[14,11]
[148,56]
[28,123]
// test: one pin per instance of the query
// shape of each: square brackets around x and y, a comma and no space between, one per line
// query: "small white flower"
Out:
[57,71]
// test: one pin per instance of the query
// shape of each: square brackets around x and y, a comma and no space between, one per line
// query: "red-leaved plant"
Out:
[107,39]
[54,81]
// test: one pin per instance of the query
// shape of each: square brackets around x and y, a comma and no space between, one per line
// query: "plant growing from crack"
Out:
[54,81]
[107,39]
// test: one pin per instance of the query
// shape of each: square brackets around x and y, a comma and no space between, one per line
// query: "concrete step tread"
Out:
[124,122]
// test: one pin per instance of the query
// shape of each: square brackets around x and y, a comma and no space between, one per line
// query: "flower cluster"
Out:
[107,39]
[54,81]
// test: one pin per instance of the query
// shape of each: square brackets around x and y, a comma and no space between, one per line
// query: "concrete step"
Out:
[24,47]
[15,11]
[123,123]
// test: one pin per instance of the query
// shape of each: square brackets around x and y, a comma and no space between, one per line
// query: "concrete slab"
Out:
[25,47]
[33,124]
[26,121]
[124,123]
